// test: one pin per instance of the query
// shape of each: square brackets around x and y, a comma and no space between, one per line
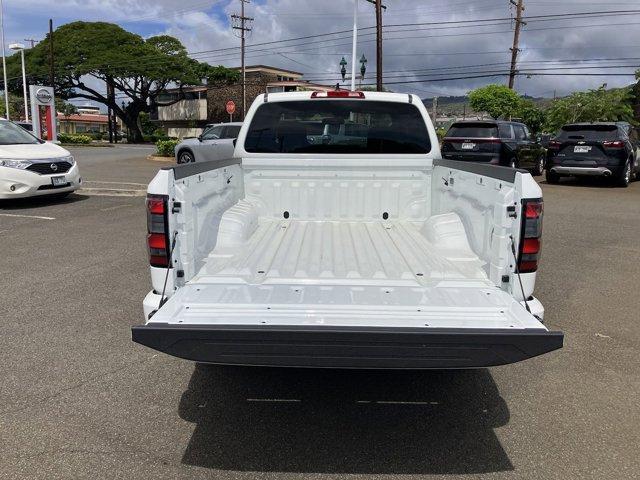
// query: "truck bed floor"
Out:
[376,252]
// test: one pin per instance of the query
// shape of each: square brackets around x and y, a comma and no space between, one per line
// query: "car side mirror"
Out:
[199,138]
[235,141]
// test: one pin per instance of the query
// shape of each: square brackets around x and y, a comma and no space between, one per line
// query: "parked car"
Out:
[508,144]
[608,150]
[31,167]
[215,142]
[354,247]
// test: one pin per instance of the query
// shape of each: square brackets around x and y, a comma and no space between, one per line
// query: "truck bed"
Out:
[384,253]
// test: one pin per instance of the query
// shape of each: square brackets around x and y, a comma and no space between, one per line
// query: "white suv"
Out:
[31,167]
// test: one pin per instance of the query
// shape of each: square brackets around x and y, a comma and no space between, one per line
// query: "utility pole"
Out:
[32,41]
[242,23]
[379,70]
[519,4]
[52,77]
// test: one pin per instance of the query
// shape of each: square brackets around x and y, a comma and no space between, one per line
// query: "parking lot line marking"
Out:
[25,216]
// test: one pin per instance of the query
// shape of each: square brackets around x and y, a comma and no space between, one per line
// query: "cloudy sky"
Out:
[447,42]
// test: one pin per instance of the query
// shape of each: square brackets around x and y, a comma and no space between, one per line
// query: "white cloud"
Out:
[409,55]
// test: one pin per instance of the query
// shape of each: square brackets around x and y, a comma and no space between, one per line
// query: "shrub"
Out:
[74,138]
[166,148]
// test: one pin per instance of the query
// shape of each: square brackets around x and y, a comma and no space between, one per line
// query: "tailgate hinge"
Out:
[512,211]
[177,206]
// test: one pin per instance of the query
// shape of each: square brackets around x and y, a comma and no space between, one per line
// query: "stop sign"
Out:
[231,107]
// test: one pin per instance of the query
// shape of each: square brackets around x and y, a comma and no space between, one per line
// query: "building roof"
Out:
[267,68]
[83,117]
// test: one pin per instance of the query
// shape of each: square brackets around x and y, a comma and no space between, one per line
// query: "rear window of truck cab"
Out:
[473,130]
[338,127]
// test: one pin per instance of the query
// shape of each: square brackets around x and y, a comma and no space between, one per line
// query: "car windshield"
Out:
[589,132]
[338,126]
[12,134]
[473,130]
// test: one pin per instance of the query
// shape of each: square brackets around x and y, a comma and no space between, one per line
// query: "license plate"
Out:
[468,146]
[58,181]
[581,149]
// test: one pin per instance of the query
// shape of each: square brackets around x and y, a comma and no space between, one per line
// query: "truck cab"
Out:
[337,237]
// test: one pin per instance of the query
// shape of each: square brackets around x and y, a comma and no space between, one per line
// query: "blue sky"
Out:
[423,55]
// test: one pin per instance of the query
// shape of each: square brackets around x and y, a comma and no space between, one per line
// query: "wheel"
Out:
[539,168]
[185,156]
[552,177]
[624,177]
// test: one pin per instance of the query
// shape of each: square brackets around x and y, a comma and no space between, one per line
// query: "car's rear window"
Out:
[589,132]
[338,126]
[473,130]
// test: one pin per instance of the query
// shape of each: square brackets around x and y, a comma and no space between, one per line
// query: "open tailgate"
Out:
[448,326]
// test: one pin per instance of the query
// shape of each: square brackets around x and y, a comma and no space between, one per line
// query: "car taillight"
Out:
[531,244]
[615,144]
[338,94]
[554,145]
[157,230]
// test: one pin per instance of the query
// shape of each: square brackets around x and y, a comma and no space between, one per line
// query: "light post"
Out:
[363,68]
[4,61]
[343,70]
[16,47]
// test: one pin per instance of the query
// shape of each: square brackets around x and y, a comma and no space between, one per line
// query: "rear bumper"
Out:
[347,347]
[590,171]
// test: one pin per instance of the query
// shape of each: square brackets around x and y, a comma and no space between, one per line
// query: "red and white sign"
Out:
[231,107]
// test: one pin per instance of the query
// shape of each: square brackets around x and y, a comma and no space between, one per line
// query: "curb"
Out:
[111,192]
[156,158]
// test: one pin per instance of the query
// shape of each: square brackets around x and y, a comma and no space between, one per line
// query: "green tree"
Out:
[88,55]
[65,108]
[496,100]
[532,116]
[599,105]
[16,107]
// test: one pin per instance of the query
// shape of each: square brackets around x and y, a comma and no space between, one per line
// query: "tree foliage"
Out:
[532,116]
[496,100]
[87,55]
[599,105]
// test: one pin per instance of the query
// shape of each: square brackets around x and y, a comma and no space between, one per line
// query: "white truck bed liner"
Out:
[385,253]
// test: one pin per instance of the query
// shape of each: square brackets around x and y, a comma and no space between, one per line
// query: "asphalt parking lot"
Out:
[79,400]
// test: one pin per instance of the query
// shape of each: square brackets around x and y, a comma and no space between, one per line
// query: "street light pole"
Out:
[20,46]
[355,45]
[4,61]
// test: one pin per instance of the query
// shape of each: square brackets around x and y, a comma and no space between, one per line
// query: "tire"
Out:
[624,177]
[539,168]
[552,177]
[186,156]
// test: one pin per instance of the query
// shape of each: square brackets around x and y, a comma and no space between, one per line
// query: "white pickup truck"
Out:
[359,249]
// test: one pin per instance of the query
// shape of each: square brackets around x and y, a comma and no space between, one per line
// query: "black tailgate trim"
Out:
[347,347]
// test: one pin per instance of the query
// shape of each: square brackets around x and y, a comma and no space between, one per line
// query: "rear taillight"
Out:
[338,94]
[157,231]
[554,145]
[531,243]
[616,144]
